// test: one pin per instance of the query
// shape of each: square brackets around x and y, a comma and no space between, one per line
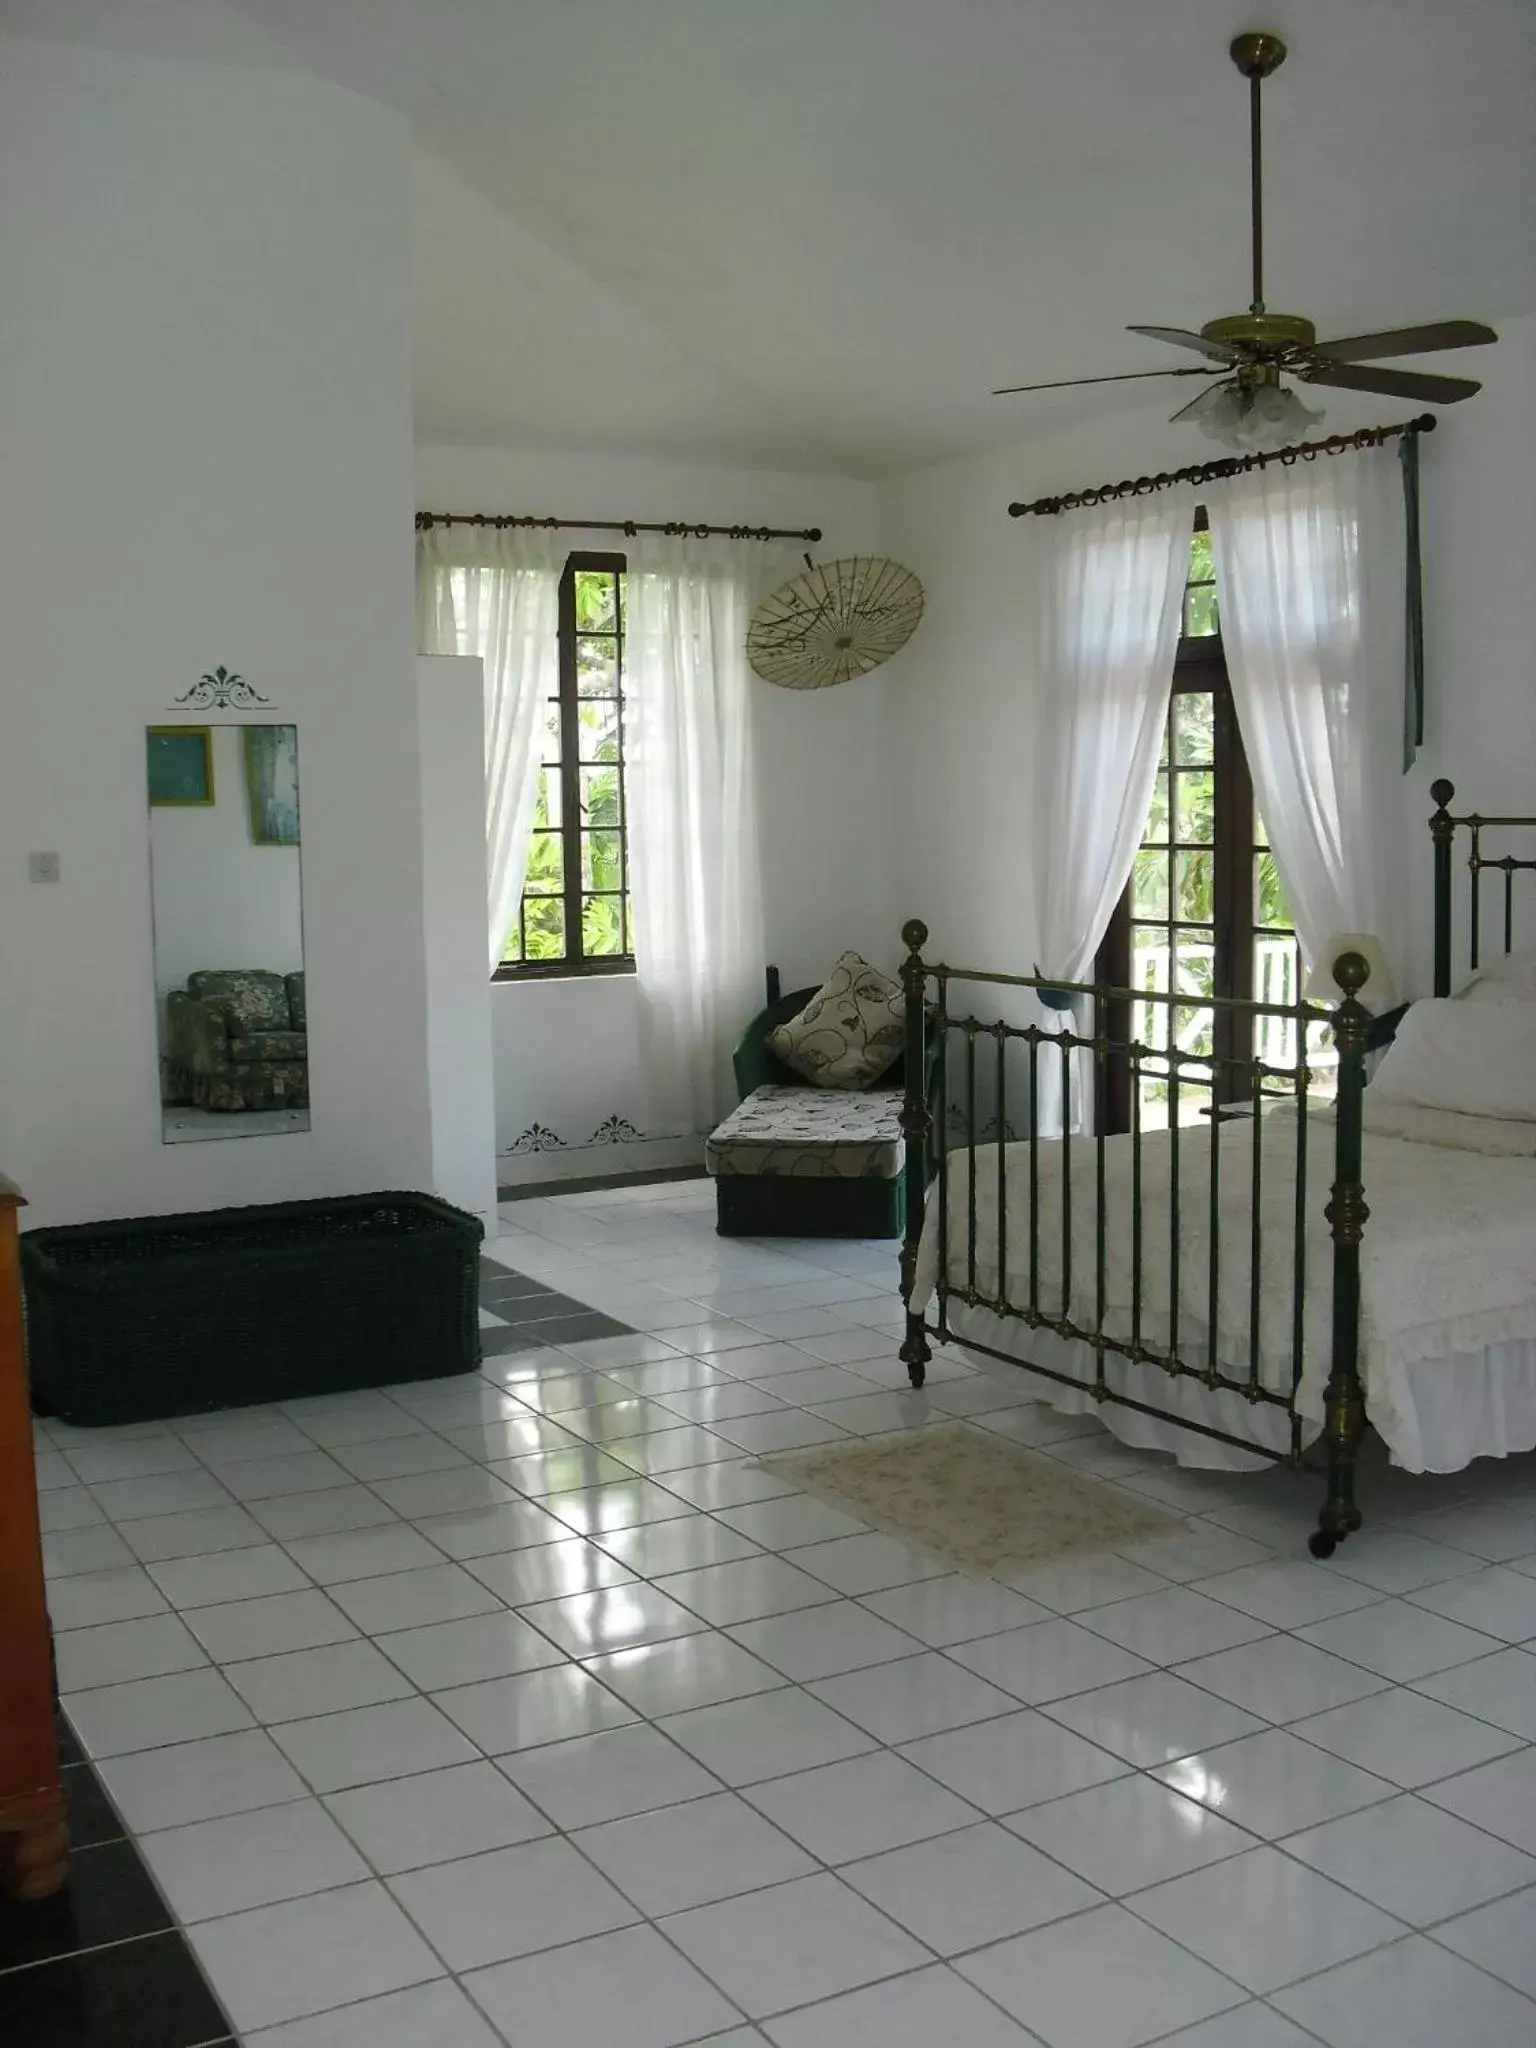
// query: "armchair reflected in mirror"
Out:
[233,1029]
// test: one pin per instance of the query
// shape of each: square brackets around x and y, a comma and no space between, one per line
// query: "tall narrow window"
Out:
[1205,912]
[575,916]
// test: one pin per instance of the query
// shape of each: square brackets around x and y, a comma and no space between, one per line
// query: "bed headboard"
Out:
[1443,828]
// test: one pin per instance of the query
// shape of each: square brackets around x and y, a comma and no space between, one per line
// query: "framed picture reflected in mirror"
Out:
[180,765]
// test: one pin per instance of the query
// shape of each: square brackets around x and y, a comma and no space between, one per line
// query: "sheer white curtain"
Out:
[693,829]
[1108,583]
[495,592]
[1310,581]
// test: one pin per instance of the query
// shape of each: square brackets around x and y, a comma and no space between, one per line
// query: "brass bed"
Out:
[1205,1277]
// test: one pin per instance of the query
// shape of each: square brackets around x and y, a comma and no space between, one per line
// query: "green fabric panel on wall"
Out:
[1413,682]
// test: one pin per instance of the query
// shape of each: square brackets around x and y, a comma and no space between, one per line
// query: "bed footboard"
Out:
[1084,1246]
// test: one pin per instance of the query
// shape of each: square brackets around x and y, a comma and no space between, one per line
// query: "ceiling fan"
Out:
[1248,406]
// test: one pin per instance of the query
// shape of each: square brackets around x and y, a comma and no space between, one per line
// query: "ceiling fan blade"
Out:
[1180,337]
[1125,377]
[1393,383]
[1406,341]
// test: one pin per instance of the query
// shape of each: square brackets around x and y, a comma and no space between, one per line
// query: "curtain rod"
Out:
[425,521]
[1231,465]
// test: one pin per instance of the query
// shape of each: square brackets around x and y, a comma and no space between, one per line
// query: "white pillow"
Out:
[1507,978]
[1476,1058]
[1503,1136]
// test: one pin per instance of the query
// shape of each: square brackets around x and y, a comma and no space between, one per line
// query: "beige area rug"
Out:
[983,1504]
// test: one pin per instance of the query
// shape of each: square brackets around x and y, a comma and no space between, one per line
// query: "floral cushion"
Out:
[269,1045]
[255,999]
[849,1032]
[811,1134]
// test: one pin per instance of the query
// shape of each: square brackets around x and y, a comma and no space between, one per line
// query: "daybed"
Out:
[796,1160]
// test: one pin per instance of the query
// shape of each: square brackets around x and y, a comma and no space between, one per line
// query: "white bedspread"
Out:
[1448,1267]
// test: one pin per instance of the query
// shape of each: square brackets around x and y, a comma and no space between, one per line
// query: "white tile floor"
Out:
[529,1710]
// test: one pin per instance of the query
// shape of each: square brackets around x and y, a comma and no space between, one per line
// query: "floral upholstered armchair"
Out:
[237,1038]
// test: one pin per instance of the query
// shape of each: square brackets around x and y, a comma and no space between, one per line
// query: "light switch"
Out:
[43,867]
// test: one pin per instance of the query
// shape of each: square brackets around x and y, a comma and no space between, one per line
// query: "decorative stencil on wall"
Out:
[616,1130]
[613,1130]
[222,689]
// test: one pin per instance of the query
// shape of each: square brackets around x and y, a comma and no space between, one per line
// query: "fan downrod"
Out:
[1257,54]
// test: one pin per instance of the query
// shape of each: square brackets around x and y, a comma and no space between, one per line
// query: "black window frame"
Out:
[569,698]
[1200,667]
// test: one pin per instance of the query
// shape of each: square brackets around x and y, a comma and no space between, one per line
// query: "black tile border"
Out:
[531,1314]
[103,1963]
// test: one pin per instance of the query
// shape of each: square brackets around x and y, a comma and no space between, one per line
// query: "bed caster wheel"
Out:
[1322,1543]
[917,1376]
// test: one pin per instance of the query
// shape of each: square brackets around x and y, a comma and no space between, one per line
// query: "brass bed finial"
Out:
[1351,971]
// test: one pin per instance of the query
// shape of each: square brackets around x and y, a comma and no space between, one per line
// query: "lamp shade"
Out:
[1378,993]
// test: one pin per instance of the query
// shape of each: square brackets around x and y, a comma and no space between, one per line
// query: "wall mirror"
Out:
[224,847]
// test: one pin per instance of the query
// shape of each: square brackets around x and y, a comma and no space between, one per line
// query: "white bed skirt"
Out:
[1478,1404]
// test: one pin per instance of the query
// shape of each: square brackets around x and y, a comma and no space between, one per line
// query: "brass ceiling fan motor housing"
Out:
[1273,334]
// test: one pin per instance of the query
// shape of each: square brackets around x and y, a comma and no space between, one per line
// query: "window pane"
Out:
[1149,965]
[1200,620]
[1195,967]
[1156,833]
[546,809]
[599,718]
[601,797]
[544,923]
[597,666]
[1195,806]
[1202,565]
[546,865]
[596,600]
[1194,895]
[551,754]
[1149,884]
[602,926]
[1276,978]
[1270,905]
[602,860]
[1194,729]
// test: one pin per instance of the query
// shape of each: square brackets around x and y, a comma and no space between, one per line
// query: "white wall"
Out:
[219,899]
[1479,475]
[206,416]
[461,1087]
[956,689]
[567,1055]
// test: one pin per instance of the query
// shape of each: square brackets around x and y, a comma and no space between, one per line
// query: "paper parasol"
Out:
[838,619]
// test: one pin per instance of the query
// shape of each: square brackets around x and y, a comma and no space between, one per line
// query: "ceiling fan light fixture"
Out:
[1253,417]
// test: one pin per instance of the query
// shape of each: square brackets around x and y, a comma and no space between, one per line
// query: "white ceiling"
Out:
[814,233]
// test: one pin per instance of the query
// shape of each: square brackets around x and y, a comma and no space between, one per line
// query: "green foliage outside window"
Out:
[598,839]
[1173,879]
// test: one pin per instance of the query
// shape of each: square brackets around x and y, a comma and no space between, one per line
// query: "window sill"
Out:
[522,977]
